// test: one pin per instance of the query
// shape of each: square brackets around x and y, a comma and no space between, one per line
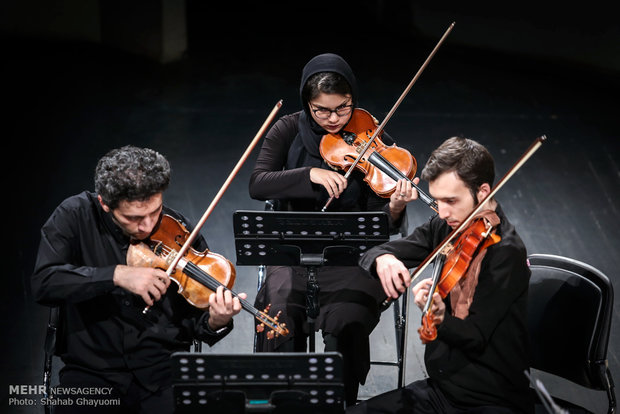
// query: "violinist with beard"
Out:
[104,339]
[476,363]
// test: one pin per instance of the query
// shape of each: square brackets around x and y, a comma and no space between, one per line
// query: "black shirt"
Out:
[479,360]
[103,329]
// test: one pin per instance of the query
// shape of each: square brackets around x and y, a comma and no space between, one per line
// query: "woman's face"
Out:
[331,111]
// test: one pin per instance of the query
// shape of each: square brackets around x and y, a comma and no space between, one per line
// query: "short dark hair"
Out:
[470,160]
[132,174]
[325,82]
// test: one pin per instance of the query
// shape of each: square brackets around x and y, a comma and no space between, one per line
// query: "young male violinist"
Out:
[476,363]
[105,340]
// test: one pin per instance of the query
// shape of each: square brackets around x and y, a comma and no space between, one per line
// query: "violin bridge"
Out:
[170,257]
[447,249]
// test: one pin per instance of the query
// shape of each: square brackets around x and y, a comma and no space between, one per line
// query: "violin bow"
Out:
[224,187]
[381,126]
[190,239]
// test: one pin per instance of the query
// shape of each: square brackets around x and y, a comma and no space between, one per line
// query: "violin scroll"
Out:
[277,328]
[428,329]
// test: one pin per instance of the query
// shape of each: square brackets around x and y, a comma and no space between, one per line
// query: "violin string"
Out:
[528,153]
[198,274]
[204,278]
[380,162]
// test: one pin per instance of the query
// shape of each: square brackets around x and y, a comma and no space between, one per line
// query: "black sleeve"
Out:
[204,333]
[502,280]
[269,180]
[57,275]
[410,250]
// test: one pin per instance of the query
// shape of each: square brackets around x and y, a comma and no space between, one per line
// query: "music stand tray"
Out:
[310,239]
[288,238]
[263,382]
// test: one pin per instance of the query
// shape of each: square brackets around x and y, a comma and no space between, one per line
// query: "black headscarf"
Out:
[327,62]
[310,133]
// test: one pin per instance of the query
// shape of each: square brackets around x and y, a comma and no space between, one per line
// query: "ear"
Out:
[103,205]
[483,191]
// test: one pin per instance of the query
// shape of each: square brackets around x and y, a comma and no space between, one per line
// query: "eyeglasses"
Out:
[324,113]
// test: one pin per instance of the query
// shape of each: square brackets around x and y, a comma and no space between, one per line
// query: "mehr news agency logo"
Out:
[33,395]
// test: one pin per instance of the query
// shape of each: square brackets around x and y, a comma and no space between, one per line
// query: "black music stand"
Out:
[265,383]
[309,239]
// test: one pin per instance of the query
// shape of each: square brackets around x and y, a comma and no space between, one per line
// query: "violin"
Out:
[198,274]
[453,263]
[382,165]
[467,236]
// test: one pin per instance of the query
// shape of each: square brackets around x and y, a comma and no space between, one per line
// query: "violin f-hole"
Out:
[158,249]
[179,240]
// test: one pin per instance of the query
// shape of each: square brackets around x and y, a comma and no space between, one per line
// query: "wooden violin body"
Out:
[475,238]
[189,275]
[341,150]
[197,274]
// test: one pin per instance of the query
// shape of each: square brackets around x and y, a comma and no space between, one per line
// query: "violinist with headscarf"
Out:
[290,170]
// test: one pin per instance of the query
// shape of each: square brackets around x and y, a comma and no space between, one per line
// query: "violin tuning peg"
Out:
[260,328]
[270,335]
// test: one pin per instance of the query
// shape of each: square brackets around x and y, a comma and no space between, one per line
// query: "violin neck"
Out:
[202,277]
[438,267]
[395,174]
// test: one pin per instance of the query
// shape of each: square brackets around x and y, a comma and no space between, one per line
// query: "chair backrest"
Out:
[569,318]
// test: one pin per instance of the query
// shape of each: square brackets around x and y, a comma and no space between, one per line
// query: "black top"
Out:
[291,149]
[479,360]
[103,329]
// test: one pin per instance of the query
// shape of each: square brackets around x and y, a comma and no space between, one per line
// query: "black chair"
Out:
[49,352]
[570,306]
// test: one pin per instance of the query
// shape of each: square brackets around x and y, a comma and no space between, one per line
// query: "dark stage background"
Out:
[78,82]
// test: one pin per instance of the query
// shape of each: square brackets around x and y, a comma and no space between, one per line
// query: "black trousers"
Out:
[88,393]
[419,397]
[348,312]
